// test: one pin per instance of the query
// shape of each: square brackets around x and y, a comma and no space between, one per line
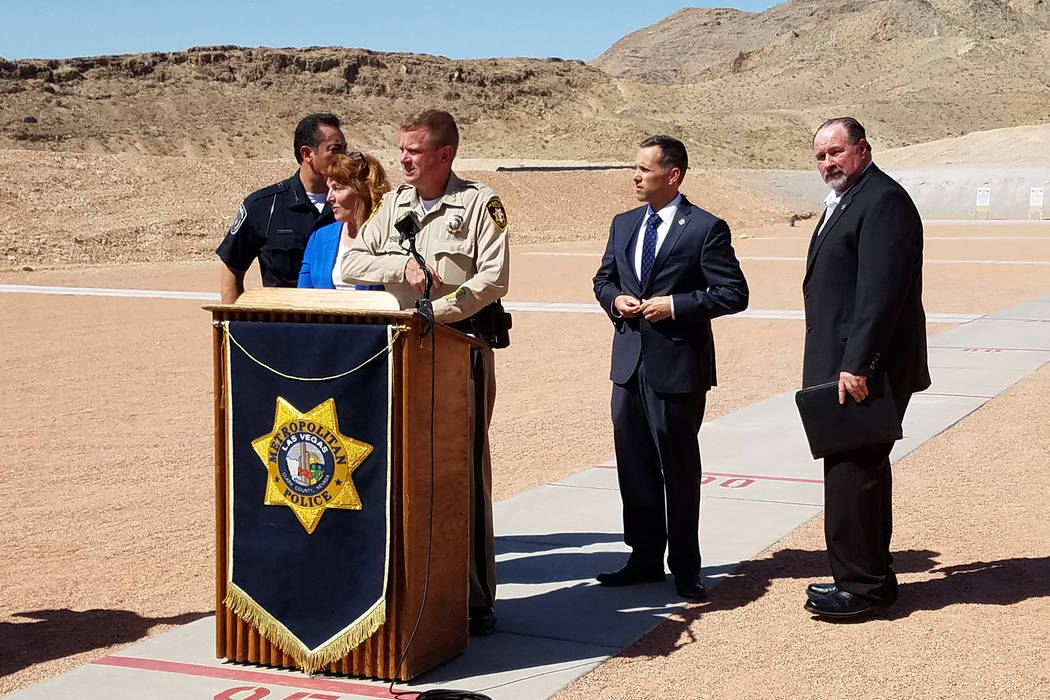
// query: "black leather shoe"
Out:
[816,590]
[690,589]
[482,621]
[631,575]
[843,604]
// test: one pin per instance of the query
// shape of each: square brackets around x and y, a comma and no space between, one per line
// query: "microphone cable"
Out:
[434,693]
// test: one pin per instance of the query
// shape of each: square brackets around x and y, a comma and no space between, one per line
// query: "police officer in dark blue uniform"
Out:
[274,223]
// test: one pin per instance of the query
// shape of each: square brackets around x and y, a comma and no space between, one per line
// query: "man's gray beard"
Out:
[837,182]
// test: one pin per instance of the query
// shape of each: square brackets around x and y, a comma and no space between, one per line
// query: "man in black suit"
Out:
[864,315]
[668,269]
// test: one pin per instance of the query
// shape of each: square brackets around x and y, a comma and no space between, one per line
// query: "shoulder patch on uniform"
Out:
[238,221]
[497,213]
[375,210]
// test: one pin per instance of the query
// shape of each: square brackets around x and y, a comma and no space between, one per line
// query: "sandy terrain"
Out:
[112,543]
[1022,145]
[970,544]
[88,209]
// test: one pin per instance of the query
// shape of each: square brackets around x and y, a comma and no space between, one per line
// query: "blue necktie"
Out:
[649,246]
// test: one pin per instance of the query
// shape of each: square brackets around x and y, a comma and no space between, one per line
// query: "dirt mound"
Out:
[1021,145]
[81,209]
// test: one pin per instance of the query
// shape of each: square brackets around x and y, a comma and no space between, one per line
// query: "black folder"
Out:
[832,428]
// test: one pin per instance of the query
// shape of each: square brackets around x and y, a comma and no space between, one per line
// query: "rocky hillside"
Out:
[696,44]
[743,90]
[226,100]
[911,70]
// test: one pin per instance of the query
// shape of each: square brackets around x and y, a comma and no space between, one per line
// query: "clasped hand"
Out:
[655,309]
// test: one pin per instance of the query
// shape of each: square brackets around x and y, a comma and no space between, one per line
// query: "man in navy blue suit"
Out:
[668,269]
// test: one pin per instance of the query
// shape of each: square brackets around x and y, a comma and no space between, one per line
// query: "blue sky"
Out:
[456,29]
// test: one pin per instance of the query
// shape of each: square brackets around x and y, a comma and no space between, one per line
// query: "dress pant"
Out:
[658,468]
[482,546]
[858,519]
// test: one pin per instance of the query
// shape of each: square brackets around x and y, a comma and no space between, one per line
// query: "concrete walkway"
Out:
[555,622]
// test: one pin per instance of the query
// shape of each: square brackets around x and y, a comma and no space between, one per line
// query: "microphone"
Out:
[407,226]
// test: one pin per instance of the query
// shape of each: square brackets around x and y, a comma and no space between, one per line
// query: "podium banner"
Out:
[308,409]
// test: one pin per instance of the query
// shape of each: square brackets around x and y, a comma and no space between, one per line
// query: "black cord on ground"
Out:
[444,694]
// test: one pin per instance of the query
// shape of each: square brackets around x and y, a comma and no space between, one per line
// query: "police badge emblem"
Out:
[238,221]
[309,463]
[497,213]
[455,224]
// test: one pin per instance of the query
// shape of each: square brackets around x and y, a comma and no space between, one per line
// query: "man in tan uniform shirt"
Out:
[463,240]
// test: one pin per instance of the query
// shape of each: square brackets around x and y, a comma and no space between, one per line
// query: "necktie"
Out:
[649,246]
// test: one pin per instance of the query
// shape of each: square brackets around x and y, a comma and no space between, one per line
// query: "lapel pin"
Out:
[681,222]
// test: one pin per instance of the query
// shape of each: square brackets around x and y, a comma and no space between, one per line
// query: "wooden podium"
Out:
[428,554]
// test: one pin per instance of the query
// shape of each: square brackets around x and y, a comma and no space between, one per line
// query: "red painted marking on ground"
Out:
[1025,320]
[240,674]
[948,347]
[742,476]
[768,478]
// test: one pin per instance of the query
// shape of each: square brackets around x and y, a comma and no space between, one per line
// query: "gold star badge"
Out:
[309,463]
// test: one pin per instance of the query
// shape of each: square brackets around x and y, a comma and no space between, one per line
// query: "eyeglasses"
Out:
[359,154]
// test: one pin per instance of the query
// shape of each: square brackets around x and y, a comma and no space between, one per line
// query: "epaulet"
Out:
[269,190]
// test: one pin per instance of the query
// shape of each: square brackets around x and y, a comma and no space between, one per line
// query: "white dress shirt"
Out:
[831,202]
[666,215]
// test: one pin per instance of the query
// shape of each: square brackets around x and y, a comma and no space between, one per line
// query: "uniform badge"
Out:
[238,220]
[455,224]
[497,213]
[309,463]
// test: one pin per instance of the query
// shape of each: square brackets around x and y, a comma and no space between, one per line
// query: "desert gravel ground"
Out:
[107,465]
[971,549]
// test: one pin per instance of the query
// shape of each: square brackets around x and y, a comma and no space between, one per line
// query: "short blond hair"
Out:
[440,125]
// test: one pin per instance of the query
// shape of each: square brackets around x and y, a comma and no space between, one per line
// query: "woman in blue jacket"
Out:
[356,185]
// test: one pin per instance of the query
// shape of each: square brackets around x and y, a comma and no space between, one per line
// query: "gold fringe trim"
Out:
[277,634]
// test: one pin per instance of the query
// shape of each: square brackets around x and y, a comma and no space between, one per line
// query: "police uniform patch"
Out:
[309,463]
[375,210]
[497,213]
[454,294]
[238,220]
